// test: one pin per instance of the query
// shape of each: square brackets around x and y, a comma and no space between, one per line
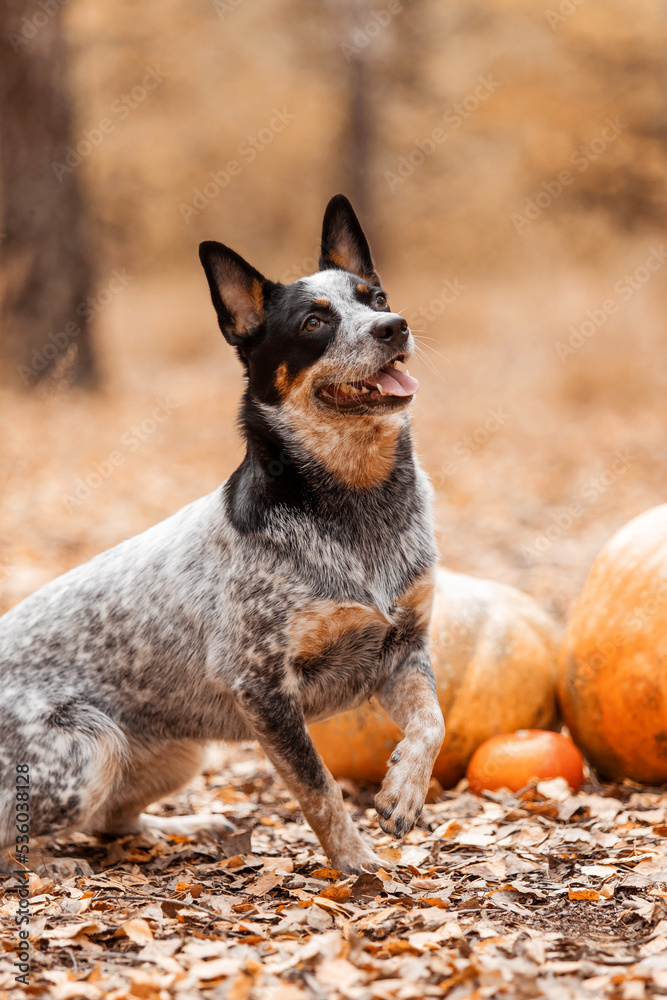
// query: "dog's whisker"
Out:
[421,354]
[421,350]
[428,347]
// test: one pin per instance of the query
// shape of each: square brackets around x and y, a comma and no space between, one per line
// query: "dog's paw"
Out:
[358,862]
[400,800]
[188,826]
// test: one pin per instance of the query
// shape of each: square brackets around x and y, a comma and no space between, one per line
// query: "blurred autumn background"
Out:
[507,159]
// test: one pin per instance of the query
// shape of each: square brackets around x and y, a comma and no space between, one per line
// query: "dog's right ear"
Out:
[344,244]
[237,290]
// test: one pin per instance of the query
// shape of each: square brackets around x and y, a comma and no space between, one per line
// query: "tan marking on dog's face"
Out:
[357,449]
[321,303]
[325,622]
[419,597]
[359,452]
[286,385]
[363,289]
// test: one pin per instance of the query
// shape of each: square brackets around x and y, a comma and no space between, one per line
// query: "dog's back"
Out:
[300,587]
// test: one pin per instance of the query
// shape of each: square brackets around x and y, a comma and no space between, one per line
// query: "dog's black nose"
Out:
[394,330]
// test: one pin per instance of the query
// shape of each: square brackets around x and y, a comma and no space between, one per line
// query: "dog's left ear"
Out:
[343,242]
[237,290]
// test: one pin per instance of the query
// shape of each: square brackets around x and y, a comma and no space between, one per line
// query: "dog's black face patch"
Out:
[325,364]
[328,341]
[331,342]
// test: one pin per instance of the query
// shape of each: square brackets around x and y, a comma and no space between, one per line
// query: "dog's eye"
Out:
[380,300]
[312,323]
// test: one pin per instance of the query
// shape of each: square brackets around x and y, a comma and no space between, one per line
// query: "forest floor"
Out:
[544,894]
[536,460]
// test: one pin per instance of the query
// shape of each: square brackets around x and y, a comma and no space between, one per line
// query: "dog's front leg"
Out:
[277,721]
[409,697]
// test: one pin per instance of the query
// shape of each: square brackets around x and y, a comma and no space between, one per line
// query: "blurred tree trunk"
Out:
[46,266]
[360,138]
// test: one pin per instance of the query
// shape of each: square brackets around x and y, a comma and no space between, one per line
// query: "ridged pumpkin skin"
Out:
[494,653]
[613,663]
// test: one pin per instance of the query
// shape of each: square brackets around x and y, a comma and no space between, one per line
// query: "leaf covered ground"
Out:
[544,893]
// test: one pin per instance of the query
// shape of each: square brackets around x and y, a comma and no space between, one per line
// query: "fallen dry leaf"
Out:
[136,930]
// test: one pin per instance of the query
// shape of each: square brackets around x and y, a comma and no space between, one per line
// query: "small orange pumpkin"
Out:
[513,760]
[613,663]
[494,653]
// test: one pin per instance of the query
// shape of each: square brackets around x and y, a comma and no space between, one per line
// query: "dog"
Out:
[298,589]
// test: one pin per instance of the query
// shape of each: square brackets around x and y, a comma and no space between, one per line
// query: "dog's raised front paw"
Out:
[399,802]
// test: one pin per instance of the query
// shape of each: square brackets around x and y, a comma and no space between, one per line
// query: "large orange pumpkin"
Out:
[494,652]
[613,663]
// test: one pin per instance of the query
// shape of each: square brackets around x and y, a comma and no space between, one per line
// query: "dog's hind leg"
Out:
[150,773]
[71,754]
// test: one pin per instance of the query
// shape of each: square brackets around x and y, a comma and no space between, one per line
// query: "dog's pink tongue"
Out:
[397,383]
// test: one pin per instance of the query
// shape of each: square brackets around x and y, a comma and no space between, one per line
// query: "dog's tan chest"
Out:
[325,623]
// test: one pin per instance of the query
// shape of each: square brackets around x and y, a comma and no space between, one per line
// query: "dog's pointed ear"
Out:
[343,242]
[237,290]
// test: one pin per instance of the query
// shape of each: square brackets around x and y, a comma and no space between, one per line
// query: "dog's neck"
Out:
[325,468]
[357,452]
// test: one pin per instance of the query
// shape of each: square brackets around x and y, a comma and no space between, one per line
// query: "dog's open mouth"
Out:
[390,386]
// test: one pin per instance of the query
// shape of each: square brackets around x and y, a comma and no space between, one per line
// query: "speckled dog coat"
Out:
[299,588]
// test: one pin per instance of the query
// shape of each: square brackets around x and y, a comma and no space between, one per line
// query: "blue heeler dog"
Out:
[298,589]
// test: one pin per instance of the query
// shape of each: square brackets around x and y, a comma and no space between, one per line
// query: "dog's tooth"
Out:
[380,389]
